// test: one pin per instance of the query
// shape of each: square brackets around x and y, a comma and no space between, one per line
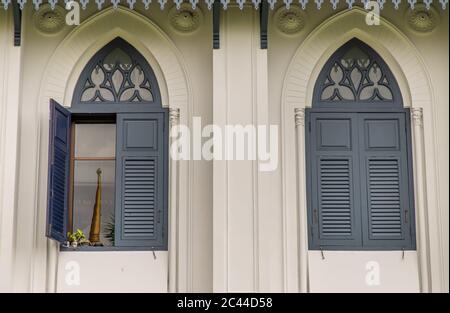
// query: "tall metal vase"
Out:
[94,234]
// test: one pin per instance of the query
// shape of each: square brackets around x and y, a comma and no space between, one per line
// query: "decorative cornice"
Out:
[417,116]
[131,4]
[299,117]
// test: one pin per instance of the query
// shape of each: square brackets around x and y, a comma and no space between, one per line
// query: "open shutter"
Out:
[387,206]
[141,188]
[58,172]
[334,213]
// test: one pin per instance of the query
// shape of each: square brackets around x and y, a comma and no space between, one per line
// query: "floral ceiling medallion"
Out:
[184,18]
[421,19]
[49,20]
[290,21]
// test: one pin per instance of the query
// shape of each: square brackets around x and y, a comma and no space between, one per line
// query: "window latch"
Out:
[322,254]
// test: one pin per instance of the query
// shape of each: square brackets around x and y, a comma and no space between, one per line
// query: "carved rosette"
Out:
[417,116]
[422,20]
[299,117]
[185,19]
[49,21]
[290,21]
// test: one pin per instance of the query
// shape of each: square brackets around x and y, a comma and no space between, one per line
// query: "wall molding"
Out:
[10,96]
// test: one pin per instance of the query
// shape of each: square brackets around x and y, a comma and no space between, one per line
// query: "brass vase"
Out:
[94,234]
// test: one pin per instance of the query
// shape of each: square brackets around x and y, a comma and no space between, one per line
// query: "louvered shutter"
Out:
[141,185]
[387,208]
[334,216]
[58,173]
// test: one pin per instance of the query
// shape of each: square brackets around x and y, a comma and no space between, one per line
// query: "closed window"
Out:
[358,154]
[108,157]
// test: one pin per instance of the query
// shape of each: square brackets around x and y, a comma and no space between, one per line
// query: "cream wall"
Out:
[246,237]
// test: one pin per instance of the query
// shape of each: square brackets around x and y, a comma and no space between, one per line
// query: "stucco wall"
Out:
[269,255]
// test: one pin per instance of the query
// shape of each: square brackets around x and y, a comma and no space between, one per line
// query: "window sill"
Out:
[98,249]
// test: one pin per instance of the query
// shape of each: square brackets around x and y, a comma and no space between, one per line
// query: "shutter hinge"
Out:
[406,216]
[315,216]
[51,180]
[159,217]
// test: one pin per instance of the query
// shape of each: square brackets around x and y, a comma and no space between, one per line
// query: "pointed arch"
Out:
[356,76]
[117,73]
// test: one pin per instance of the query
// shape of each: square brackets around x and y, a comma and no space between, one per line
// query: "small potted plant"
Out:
[77,238]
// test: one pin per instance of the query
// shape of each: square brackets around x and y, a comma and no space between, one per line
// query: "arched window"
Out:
[108,173]
[356,76]
[359,156]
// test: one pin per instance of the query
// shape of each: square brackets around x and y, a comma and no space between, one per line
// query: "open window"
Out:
[108,156]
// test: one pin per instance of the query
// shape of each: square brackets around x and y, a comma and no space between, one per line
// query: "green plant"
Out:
[77,236]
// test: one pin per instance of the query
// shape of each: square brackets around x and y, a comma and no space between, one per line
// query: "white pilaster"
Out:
[174,118]
[243,230]
[10,82]
[301,200]
[422,230]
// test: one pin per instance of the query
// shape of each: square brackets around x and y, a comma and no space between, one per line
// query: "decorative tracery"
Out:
[356,73]
[117,74]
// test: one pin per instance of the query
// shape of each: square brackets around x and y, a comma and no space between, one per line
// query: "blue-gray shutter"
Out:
[141,183]
[334,216]
[387,206]
[58,172]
